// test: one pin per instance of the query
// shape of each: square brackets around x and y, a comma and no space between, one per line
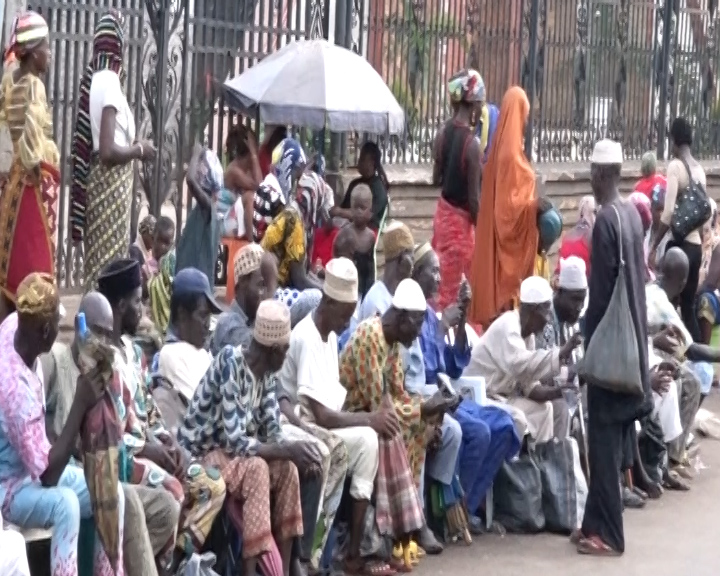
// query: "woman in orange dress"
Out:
[506,235]
[29,196]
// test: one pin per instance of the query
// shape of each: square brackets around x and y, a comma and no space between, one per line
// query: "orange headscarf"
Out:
[506,236]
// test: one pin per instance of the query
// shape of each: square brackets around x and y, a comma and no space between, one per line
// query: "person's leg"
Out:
[561,418]
[603,509]
[539,416]
[688,296]
[33,506]
[74,479]
[689,394]
[204,496]
[161,512]
[137,548]
[286,515]
[362,449]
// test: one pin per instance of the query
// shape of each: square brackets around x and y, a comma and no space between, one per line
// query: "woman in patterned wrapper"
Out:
[29,193]
[103,153]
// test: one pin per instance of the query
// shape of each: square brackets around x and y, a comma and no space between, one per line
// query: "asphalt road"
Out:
[675,536]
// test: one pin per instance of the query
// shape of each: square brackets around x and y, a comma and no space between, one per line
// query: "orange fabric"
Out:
[232,245]
[506,235]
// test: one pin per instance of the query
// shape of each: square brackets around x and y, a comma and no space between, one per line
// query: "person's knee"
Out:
[368,449]
[451,433]
[258,471]
[66,508]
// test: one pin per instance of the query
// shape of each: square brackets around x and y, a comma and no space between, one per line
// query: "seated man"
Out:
[506,357]
[487,432]
[672,342]
[151,514]
[372,373]
[311,373]
[233,423]
[13,557]
[235,327]
[153,456]
[37,487]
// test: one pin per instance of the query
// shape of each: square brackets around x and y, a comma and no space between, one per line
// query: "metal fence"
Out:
[590,67]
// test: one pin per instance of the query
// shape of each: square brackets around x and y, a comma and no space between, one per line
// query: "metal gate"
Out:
[622,68]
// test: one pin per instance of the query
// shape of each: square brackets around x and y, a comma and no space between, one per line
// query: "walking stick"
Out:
[583,436]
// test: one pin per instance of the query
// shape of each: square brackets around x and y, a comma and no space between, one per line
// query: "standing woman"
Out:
[457,169]
[506,235]
[29,195]
[103,151]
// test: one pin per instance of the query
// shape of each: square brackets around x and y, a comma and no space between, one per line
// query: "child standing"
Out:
[363,237]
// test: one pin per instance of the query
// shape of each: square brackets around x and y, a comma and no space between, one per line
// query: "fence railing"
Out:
[622,68]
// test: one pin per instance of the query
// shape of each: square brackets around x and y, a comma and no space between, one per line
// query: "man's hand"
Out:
[464,294]
[305,456]
[160,455]
[385,422]
[573,342]
[437,405]
[451,316]
[666,341]
[433,438]
[660,380]
[176,453]
[90,388]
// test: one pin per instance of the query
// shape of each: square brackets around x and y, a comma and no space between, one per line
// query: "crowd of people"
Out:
[321,420]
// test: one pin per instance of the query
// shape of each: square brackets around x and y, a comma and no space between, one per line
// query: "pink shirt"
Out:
[24,446]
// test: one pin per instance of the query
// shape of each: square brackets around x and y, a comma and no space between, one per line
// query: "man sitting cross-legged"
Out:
[311,368]
[233,423]
[513,369]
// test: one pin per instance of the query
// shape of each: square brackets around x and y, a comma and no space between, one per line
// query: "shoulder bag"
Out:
[612,360]
[692,208]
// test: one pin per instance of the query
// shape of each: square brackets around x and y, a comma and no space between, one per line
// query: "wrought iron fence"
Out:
[590,68]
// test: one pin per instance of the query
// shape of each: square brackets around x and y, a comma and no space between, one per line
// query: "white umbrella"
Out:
[315,84]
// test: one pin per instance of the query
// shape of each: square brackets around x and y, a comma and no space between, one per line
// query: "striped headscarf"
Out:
[107,54]
[28,30]
[287,157]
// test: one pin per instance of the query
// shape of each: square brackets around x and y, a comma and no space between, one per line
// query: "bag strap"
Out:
[691,180]
[620,246]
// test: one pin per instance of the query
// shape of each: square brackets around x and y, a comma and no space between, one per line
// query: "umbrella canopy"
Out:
[315,84]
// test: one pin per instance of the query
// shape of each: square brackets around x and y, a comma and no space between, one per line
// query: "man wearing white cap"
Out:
[611,416]
[513,368]
[371,370]
[311,374]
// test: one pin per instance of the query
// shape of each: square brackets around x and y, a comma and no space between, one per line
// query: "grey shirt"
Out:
[233,329]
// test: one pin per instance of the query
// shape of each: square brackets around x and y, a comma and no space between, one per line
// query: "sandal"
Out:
[594,546]
[673,481]
[368,568]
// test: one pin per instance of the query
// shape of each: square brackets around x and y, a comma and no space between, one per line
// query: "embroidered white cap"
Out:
[409,296]
[535,290]
[573,274]
[607,151]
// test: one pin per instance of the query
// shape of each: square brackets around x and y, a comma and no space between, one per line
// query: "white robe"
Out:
[667,406]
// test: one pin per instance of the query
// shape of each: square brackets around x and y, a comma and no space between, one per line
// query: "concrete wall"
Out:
[413,198]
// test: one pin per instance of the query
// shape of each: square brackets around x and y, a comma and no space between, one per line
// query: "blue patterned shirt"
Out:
[231,409]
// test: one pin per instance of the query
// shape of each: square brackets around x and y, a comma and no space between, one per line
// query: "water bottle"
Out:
[86,361]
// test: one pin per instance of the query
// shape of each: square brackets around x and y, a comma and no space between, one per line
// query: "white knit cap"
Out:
[535,290]
[409,296]
[572,274]
[341,280]
[607,151]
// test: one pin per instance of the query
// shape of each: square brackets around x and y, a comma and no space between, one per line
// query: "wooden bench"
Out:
[31,534]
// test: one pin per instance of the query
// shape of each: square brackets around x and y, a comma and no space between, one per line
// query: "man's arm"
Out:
[437,158]
[331,419]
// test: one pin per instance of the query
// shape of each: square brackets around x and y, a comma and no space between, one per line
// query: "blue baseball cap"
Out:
[191,281]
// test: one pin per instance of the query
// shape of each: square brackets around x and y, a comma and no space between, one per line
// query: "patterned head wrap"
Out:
[642,204]
[28,30]
[107,54]
[147,225]
[586,211]
[287,157]
[466,86]
[247,260]
[37,295]
[272,323]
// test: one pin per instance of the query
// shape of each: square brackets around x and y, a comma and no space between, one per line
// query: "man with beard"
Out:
[152,454]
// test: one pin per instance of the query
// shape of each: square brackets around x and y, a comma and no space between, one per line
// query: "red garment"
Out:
[575,246]
[454,241]
[27,226]
[646,185]
[323,245]
[265,160]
